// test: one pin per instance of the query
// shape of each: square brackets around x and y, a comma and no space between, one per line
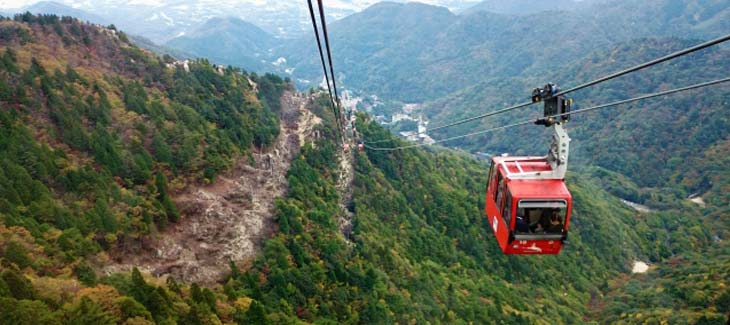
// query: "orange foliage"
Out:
[58,290]
[105,296]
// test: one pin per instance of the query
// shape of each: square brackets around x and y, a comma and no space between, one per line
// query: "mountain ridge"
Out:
[223,40]
[522,7]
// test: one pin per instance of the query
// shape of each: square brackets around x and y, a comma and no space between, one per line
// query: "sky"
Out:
[360,4]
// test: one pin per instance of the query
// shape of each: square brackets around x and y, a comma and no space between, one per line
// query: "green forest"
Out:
[95,142]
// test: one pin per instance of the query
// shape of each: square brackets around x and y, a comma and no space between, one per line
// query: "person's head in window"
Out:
[555,217]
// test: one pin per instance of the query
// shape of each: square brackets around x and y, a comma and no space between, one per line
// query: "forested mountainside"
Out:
[414,52]
[98,135]
[668,136]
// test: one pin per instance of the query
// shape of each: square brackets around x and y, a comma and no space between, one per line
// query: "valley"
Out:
[136,188]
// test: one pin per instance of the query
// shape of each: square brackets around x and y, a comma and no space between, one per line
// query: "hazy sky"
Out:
[11,3]
[328,3]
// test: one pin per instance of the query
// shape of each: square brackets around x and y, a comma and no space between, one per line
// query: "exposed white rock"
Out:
[637,206]
[640,267]
[698,200]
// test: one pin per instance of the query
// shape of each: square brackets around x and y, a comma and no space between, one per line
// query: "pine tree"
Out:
[131,308]
[161,149]
[16,253]
[163,197]
[87,312]
[18,285]
[255,314]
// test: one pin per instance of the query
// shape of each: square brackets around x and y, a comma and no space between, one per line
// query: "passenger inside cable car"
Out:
[540,220]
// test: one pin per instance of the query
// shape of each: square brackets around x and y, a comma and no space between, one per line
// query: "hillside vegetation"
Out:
[421,250]
[97,135]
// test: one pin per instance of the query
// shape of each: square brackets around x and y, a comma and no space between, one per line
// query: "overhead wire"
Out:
[324,66]
[648,64]
[478,117]
[579,111]
[329,58]
[379,141]
[596,81]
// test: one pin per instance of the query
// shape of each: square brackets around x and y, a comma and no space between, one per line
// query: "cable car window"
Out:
[500,192]
[541,217]
[506,213]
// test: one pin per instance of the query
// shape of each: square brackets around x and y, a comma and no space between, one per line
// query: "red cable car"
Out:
[528,204]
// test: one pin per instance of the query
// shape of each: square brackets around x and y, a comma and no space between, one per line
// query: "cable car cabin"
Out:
[528,210]
[528,205]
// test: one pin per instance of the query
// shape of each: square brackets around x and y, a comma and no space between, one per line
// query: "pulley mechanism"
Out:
[557,107]
[556,113]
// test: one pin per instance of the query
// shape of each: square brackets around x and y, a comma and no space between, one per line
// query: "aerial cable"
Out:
[329,56]
[324,66]
[596,81]
[379,141]
[478,117]
[657,94]
[415,145]
[624,101]
[648,64]
[319,46]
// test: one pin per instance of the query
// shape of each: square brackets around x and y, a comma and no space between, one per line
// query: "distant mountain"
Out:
[59,9]
[230,41]
[522,7]
[162,20]
[416,52]
[153,47]
[386,49]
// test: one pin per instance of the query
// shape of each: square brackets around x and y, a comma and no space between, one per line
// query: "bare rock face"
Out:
[226,221]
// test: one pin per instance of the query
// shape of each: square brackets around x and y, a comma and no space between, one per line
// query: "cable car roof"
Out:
[524,164]
[538,189]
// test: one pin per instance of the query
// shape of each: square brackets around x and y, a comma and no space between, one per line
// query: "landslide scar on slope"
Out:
[228,219]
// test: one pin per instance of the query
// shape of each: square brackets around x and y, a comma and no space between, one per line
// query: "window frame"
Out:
[562,204]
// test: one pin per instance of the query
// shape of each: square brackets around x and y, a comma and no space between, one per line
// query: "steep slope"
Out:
[227,220]
[229,41]
[422,251]
[97,138]
[689,287]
